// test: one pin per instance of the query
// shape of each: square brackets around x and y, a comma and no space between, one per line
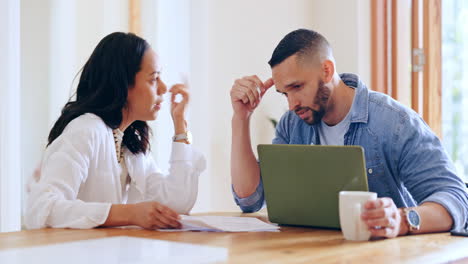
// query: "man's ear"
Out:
[328,70]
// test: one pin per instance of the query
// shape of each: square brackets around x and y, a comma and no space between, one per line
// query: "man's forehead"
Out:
[285,71]
[283,79]
[282,85]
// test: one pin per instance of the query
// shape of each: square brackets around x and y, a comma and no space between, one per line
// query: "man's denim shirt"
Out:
[405,160]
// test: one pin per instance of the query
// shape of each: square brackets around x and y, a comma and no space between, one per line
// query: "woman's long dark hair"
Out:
[103,88]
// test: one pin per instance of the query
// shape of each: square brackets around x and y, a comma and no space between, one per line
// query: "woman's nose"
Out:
[162,89]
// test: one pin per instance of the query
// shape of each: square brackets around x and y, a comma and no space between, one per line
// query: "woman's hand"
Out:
[178,109]
[153,215]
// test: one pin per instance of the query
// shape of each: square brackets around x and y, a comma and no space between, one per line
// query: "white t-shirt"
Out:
[334,135]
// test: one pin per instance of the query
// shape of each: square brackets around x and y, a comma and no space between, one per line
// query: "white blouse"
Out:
[81,178]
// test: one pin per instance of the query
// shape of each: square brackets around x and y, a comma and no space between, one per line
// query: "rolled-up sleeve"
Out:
[427,171]
[452,204]
[251,203]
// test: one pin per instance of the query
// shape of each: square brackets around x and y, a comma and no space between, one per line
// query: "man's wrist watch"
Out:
[187,136]
[412,218]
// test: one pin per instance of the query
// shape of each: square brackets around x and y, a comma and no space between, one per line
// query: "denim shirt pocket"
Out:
[376,179]
[375,168]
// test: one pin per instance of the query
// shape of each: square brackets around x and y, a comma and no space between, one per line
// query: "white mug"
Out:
[351,207]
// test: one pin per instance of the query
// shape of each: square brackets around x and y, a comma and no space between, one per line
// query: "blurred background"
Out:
[391,45]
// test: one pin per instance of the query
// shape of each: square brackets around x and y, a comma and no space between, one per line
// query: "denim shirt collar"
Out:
[360,107]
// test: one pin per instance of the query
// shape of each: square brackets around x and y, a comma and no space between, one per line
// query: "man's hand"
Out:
[383,218]
[246,94]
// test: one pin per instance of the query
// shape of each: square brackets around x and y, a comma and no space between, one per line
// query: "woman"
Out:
[97,169]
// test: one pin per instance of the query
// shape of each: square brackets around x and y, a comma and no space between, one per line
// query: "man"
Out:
[406,164]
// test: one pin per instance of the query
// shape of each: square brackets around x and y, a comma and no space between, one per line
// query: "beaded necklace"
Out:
[118,136]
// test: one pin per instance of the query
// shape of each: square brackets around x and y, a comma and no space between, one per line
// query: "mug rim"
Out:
[356,193]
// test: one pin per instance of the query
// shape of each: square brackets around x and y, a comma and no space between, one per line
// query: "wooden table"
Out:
[291,245]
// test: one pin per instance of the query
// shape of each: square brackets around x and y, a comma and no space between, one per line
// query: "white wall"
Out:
[346,25]
[231,39]
[10,159]
[35,82]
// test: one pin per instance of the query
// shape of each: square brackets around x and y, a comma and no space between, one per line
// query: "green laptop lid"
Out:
[302,182]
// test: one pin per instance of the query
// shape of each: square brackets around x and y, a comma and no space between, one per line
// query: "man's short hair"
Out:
[301,42]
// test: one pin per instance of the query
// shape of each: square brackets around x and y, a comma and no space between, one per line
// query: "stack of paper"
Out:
[223,224]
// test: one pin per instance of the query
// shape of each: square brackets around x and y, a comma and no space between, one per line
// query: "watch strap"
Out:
[187,136]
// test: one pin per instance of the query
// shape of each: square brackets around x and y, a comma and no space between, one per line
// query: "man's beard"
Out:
[321,99]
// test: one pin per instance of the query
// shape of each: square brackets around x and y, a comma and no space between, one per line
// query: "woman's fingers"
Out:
[158,224]
[164,210]
[178,108]
[167,216]
[167,211]
[168,221]
[179,89]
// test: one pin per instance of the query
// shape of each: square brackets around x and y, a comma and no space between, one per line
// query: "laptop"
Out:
[302,182]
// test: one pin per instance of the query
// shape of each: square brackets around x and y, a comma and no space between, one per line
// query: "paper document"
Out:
[213,223]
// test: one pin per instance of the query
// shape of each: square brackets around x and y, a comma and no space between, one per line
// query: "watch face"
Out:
[413,218]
